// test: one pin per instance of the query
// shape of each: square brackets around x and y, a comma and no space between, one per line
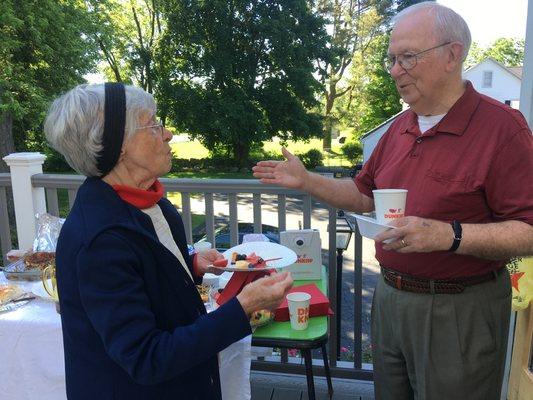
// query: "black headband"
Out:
[114,127]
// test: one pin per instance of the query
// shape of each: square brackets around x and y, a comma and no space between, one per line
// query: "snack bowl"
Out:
[18,271]
[261,318]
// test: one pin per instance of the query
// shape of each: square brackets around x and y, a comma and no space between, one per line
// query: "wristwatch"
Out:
[457,235]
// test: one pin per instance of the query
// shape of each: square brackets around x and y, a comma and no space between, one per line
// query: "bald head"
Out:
[440,23]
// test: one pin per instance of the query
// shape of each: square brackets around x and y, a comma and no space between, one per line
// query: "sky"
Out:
[489,20]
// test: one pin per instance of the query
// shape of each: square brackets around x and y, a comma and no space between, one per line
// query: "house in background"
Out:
[496,80]
[489,77]
[370,139]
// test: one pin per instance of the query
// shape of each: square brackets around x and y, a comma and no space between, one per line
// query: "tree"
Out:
[236,73]
[353,26]
[508,51]
[8,42]
[475,55]
[127,34]
[378,99]
[44,51]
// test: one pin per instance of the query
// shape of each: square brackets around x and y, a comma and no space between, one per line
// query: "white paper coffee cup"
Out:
[299,310]
[200,246]
[389,204]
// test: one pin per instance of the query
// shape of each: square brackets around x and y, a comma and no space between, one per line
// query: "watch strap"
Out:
[457,235]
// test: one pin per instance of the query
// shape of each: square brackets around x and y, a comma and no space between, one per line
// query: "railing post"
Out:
[27,200]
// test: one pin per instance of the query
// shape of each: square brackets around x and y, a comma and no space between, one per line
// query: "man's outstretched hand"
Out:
[290,173]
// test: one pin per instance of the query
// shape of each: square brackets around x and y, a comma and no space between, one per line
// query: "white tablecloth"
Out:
[31,355]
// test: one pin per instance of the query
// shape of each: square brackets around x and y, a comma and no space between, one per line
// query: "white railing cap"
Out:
[24,158]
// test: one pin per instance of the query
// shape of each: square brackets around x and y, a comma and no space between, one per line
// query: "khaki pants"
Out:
[442,346]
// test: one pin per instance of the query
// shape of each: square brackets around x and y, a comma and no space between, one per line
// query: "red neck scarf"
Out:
[138,197]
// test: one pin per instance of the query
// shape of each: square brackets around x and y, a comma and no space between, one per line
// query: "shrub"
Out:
[55,162]
[352,151]
[312,159]
[220,162]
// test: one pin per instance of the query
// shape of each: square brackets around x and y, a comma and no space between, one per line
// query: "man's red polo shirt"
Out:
[475,166]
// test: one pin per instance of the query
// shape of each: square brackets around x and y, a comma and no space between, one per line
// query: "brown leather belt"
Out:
[434,286]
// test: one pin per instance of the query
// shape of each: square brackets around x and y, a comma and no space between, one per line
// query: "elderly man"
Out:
[441,307]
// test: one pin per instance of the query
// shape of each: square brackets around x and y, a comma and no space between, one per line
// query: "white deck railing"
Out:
[39,192]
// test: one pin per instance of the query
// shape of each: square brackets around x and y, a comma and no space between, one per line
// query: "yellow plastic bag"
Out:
[521,270]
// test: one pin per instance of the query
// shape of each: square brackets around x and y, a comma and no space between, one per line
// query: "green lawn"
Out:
[195,149]
[189,150]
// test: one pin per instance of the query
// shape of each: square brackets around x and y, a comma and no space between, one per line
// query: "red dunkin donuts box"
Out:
[319,304]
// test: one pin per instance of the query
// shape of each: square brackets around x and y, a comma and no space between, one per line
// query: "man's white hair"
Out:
[74,125]
[449,26]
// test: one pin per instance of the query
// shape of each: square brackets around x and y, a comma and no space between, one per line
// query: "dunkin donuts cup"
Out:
[389,204]
[299,310]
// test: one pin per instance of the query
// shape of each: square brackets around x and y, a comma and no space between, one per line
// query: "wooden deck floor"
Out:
[265,393]
[270,386]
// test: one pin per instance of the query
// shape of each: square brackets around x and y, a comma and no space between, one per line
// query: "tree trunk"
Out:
[7,145]
[328,123]
[241,153]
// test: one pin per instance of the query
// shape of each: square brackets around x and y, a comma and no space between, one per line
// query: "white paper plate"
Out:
[370,228]
[265,250]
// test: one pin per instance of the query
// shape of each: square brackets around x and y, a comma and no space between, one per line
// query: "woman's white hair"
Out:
[449,26]
[74,125]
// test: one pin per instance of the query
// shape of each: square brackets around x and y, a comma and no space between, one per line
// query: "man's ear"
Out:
[454,56]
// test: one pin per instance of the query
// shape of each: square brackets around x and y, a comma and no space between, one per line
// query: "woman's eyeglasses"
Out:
[157,127]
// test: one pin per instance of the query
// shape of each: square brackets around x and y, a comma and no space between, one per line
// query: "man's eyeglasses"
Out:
[407,61]
[156,128]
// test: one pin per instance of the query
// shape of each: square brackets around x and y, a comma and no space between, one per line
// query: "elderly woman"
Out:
[134,325]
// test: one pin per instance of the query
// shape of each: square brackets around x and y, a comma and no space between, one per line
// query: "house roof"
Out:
[383,123]
[515,71]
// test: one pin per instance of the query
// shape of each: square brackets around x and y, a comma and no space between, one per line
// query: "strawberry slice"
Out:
[220,263]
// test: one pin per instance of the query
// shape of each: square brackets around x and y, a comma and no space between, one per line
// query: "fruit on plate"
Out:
[243,264]
[249,261]
[220,263]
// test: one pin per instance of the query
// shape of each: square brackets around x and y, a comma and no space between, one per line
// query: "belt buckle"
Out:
[398,282]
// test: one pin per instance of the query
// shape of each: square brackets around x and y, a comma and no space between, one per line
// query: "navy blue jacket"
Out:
[134,325]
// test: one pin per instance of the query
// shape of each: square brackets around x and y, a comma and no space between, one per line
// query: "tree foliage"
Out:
[377,98]
[508,51]
[357,32]
[353,25]
[236,73]
[127,35]
[44,50]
